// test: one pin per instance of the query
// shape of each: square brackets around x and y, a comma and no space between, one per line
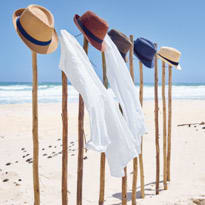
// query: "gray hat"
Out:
[121,41]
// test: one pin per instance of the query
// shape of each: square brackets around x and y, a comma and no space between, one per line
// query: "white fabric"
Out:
[109,130]
[123,87]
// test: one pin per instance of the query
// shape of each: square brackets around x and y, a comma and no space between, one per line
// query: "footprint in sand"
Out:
[5,180]
[16,184]
[199,201]
[28,160]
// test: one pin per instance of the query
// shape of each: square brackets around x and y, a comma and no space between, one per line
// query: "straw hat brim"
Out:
[36,48]
[99,46]
[178,67]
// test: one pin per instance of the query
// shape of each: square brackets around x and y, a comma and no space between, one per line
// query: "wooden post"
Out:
[105,80]
[131,58]
[35,131]
[134,180]
[169,123]
[164,128]
[141,155]
[124,187]
[65,140]
[80,141]
[102,157]
[141,83]
[156,124]
[102,179]
[124,180]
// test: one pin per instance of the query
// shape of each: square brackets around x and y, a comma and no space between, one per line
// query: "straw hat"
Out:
[93,28]
[170,56]
[122,42]
[145,51]
[35,26]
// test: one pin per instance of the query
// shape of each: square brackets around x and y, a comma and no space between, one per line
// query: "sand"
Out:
[187,184]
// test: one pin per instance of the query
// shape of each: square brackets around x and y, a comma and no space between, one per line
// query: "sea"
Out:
[18,93]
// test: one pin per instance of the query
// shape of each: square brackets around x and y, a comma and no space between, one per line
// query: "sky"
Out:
[177,23]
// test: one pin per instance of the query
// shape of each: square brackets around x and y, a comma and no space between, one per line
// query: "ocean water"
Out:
[15,93]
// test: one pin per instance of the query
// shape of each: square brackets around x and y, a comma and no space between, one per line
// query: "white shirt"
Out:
[123,87]
[109,130]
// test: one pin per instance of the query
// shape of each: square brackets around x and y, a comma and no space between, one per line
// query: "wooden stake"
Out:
[102,158]
[164,128]
[124,179]
[169,123]
[131,58]
[141,155]
[134,180]
[102,179]
[156,124]
[65,140]
[124,187]
[80,141]
[35,131]
[141,83]
[105,80]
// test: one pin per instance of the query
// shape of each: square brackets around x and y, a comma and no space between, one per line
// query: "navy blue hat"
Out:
[145,51]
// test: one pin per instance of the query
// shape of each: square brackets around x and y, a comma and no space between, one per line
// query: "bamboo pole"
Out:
[156,124]
[141,155]
[80,141]
[169,123]
[134,179]
[65,140]
[102,157]
[35,131]
[164,128]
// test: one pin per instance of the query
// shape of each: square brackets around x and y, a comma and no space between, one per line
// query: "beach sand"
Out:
[187,184]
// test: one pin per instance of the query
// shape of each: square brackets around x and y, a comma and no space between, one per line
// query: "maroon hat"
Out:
[93,28]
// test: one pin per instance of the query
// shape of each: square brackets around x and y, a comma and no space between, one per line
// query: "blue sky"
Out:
[176,23]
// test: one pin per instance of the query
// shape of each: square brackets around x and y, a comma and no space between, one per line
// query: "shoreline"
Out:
[76,101]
